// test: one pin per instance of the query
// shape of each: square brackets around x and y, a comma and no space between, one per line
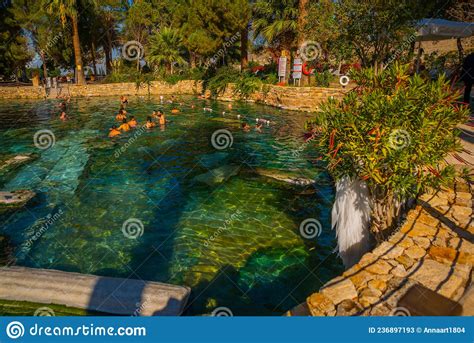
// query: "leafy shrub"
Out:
[247,84]
[188,74]
[392,131]
[323,78]
[218,82]
[270,79]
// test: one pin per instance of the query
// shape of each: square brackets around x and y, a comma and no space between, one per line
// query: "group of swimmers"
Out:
[246,127]
[157,117]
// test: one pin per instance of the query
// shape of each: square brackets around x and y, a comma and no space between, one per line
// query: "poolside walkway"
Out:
[434,249]
[101,294]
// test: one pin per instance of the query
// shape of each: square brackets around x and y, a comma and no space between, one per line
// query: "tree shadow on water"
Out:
[271,282]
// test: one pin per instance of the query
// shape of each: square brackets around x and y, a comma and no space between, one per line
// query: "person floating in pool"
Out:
[175,111]
[258,127]
[149,123]
[133,122]
[124,127]
[245,127]
[63,116]
[114,132]
[121,116]
[123,100]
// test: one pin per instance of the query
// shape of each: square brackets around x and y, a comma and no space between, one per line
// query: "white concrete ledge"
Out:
[103,294]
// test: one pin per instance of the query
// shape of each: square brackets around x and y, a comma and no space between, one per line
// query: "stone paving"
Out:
[434,248]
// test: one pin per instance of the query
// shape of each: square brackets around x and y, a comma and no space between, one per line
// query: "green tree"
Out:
[165,48]
[30,14]
[375,28]
[14,53]
[68,10]
[208,26]
[276,21]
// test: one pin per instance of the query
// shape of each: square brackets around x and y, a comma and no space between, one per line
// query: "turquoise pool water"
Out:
[232,236]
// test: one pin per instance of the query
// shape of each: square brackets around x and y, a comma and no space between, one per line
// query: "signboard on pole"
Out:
[297,68]
[282,68]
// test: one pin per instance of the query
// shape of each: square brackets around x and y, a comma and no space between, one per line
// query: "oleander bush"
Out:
[392,131]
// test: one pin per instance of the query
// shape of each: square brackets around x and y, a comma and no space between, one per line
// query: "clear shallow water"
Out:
[236,244]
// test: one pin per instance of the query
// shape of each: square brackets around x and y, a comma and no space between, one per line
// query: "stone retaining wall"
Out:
[22,92]
[434,249]
[105,89]
[292,98]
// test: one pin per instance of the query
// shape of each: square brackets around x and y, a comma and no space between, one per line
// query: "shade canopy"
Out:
[431,29]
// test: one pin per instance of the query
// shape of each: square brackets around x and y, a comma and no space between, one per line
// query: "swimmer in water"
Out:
[175,111]
[124,127]
[123,100]
[245,127]
[156,114]
[121,116]
[149,123]
[258,127]
[114,132]
[133,122]
[63,116]
[162,119]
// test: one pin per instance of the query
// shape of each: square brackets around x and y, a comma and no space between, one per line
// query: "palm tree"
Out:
[165,48]
[276,21]
[68,9]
